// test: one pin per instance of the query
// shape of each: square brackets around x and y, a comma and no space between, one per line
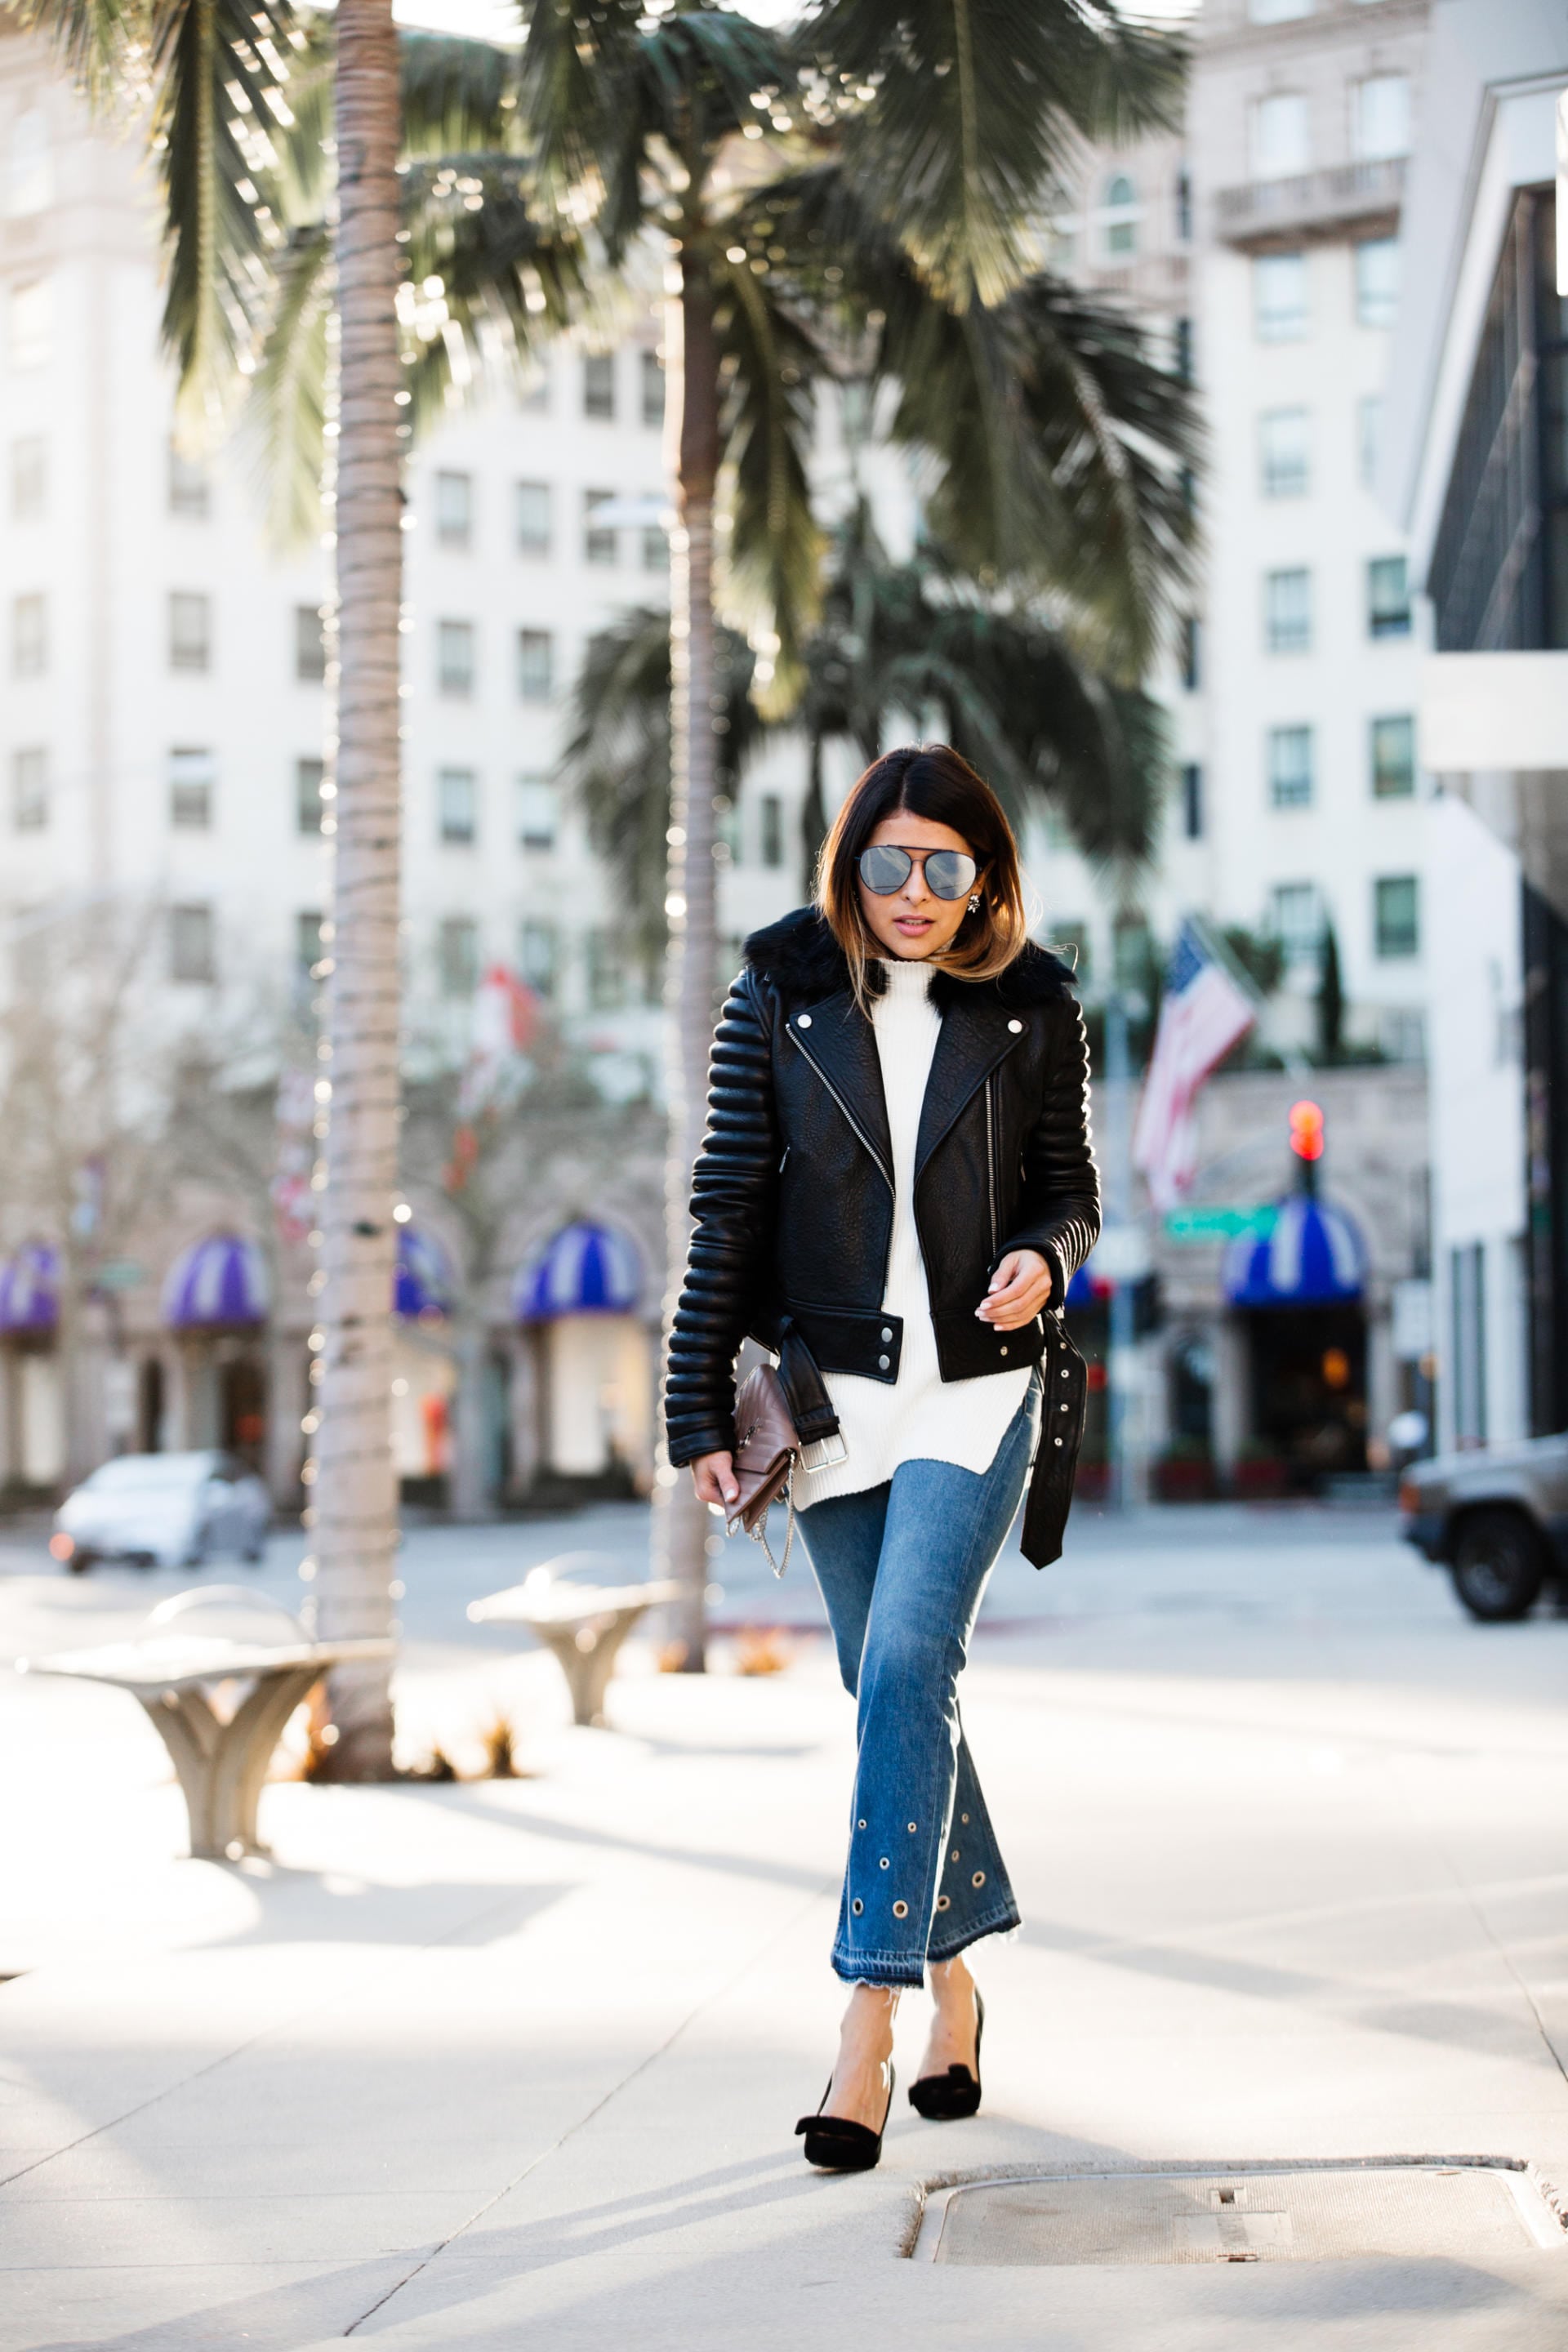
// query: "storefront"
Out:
[423,1365]
[587,1362]
[32,1407]
[1297,1294]
[212,1387]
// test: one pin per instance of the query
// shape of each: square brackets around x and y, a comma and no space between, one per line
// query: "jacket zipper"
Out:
[816,1065]
[991,1161]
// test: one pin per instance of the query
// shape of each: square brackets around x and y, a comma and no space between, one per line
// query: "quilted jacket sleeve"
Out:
[734,1196]
[1061,1216]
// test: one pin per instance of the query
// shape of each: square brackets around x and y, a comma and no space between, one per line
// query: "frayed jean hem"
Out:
[997,1923]
[897,1970]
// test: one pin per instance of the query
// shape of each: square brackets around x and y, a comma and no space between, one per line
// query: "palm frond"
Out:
[220,72]
[772,578]
[102,44]
[575,65]
[287,416]
[976,107]
[458,97]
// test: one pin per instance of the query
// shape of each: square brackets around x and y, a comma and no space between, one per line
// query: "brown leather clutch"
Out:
[767,1448]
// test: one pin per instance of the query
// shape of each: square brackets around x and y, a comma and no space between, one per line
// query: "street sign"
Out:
[119,1273]
[1219,1224]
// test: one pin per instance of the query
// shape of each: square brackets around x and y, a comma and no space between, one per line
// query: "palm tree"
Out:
[286,258]
[921,147]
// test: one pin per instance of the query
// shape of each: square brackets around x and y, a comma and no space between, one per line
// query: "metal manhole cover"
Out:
[1322,2214]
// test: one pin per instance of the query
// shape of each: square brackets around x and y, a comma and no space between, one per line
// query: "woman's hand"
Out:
[713,1476]
[1018,1290]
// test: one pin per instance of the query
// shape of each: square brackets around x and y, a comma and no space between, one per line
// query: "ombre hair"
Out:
[929,780]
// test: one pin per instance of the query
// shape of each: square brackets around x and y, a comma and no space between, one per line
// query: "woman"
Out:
[895,1186]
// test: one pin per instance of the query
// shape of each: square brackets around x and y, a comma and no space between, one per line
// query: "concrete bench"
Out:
[581,1624]
[183,1667]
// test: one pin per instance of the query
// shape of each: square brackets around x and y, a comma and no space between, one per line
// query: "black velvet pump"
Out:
[949,2099]
[836,2145]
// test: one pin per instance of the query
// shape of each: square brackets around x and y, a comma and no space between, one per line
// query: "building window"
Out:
[601,542]
[29,636]
[1291,766]
[1376,280]
[1287,612]
[1183,222]
[1120,213]
[1280,143]
[534,518]
[1277,12]
[1380,118]
[193,776]
[652,388]
[1387,598]
[1369,438]
[1467,1282]
[310,793]
[309,946]
[30,180]
[190,631]
[30,790]
[1393,758]
[457,955]
[456,794]
[1397,915]
[1193,801]
[599,384]
[535,394]
[606,971]
[191,944]
[654,548]
[1295,919]
[537,813]
[535,665]
[455,657]
[310,645]
[1285,447]
[1190,652]
[29,479]
[770,828]
[188,489]
[539,954]
[1183,351]
[30,326]
[1280,297]
[453,510]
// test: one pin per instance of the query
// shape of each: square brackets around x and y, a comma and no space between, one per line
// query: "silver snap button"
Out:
[978,1879]
[1056,1441]
[1063,1375]
[886,1331]
[1016,1027]
[1003,1352]
[900,1910]
[884,1363]
[804,1022]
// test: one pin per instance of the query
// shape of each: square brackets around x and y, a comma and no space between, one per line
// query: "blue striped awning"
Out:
[585,1269]
[1314,1256]
[424,1286]
[29,1289]
[217,1284]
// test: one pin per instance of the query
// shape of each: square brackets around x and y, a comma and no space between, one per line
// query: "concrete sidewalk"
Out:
[466,2064]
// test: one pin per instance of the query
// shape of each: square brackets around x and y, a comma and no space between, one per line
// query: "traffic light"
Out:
[1306,1131]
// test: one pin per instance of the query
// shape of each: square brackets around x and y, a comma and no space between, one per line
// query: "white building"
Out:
[1477,467]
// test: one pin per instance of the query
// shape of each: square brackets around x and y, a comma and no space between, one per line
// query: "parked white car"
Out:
[171,1510]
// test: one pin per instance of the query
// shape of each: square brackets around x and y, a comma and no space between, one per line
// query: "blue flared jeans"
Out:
[902,1568]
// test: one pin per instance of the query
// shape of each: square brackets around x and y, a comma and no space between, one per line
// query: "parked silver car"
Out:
[168,1509]
[1498,1522]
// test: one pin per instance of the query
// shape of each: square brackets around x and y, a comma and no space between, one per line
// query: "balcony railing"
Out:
[1312,203]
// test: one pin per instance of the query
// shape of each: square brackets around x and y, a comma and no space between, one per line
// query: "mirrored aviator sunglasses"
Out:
[884,869]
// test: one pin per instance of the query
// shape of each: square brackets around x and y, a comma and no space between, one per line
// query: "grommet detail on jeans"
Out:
[978,1879]
[964,1818]
[856,1906]
[883,1363]
[804,1020]
[912,1828]
[883,1864]
[955,1853]
[1016,1027]
[900,1910]
[942,1902]
[859,1826]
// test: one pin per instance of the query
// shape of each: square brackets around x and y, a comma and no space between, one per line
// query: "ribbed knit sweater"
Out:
[918,1416]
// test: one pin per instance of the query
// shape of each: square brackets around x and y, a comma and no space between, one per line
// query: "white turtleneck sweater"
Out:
[918,1416]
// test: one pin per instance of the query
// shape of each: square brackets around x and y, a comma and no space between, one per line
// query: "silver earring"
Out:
[974,903]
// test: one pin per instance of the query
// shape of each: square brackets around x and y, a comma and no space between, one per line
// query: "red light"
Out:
[1306,1131]
[61,1546]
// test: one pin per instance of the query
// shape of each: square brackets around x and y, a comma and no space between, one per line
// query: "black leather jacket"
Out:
[793,1193]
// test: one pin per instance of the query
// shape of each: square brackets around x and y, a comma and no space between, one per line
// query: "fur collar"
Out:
[804,962]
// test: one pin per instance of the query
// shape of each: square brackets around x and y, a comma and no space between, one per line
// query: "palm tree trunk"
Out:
[813,814]
[682,1524]
[353,1498]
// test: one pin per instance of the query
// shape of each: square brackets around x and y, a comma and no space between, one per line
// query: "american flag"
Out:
[1202,1015]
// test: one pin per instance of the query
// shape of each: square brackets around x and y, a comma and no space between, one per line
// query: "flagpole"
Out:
[1118,1216]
